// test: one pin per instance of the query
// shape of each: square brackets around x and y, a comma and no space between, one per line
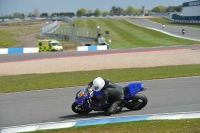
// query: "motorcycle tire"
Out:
[78,111]
[137,102]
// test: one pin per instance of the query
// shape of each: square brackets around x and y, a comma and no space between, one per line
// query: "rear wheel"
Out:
[137,102]
[79,109]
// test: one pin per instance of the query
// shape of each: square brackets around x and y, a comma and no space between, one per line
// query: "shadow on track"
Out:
[94,114]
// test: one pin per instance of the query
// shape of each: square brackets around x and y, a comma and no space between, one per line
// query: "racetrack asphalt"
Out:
[193,33]
[176,30]
[165,96]
[47,55]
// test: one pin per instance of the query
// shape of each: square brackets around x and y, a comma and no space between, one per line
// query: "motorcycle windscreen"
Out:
[81,96]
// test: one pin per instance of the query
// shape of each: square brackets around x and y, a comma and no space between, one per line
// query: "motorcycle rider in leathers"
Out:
[107,90]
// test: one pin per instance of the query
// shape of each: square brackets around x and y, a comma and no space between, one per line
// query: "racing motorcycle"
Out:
[133,100]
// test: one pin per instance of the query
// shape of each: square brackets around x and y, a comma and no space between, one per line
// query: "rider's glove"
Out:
[90,84]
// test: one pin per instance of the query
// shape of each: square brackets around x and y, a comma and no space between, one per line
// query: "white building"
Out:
[191,8]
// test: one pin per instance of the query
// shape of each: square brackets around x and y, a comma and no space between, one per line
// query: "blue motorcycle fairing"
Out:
[134,88]
[85,97]
[81,100]
[77,94]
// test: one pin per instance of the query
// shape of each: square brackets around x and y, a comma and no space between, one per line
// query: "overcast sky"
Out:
[8,7]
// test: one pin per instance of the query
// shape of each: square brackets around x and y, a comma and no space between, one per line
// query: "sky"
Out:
[8,7]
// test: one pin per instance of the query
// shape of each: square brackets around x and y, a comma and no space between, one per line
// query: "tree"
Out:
[97,12]
[116,10]
[139,10]
[113,10]
[30,14]
[119,10]
[45,15]
[61,14]
[71,14]
[159,9]
[89,12]
[106,13]
[125,12]
[179,8]
[18,15]
[36,12]
[131,10]
[7,16]
[81,12]
[174,8]
[170,9]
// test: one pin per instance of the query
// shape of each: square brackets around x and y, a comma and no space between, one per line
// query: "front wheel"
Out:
[137,102]
[80,109]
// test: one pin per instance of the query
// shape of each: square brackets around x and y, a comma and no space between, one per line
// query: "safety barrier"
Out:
[18,50]
[92,48]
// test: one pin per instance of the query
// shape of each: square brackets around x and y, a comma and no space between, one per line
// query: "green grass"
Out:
[153,126]
[126,35]
[58,80]
[11,31]
[20,23]
[168,22]
[8,38]
[122,33]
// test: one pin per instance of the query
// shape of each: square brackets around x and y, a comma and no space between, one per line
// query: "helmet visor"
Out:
[96,88]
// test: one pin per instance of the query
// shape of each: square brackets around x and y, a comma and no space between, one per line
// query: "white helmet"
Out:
[98,83]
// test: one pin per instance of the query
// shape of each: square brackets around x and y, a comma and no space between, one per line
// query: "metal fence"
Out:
[73,34]
[187,21]
[68,37]
[49,28]
[69,33]
[183,21]
[68,20]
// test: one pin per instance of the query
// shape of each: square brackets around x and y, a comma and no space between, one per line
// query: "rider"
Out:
[109,90]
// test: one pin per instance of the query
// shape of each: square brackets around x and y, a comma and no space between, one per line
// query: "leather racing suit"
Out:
[111,92]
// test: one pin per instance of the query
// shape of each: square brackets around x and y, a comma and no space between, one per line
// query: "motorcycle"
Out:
[133,100]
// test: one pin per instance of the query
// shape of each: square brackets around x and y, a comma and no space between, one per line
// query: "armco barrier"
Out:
[92,48]
[18,50]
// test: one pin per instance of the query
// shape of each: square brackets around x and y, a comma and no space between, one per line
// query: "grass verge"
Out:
[154,126]
[58,80]
[126,35]
[122,33]
[12,31]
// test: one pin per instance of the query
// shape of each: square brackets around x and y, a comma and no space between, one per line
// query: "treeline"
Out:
[43,15]
[83,12]
[129,10]
[62,14]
